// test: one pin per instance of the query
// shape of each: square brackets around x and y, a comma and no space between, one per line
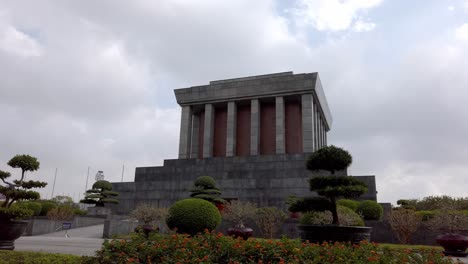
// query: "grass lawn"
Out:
[14,257]
[412,247]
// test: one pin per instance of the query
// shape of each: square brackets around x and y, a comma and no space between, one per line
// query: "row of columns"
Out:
[313,128]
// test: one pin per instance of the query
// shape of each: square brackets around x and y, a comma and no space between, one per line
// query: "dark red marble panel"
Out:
[267,128]
[243,131]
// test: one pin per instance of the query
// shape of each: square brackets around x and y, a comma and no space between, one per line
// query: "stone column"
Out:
[231,129]
[254,127]
[195,131]
[307,105]
[321,131]
[280,130]
[316,130]
[208,131]
[185,132]
[325,137]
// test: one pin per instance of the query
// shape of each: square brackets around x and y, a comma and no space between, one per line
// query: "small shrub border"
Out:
[210,247]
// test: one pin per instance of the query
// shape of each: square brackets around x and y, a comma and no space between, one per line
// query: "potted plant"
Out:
[205,188]
[147,216]
[237,212]
[451,222]
[11,218]
[331,186]
[100,194]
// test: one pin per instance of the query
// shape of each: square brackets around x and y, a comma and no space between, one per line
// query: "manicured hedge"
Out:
[370,210]
[193,215]
[15,257]
[217,248]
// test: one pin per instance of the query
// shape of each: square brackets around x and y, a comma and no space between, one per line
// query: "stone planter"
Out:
[243,232]
[10,231]
[453,244]
[321,233]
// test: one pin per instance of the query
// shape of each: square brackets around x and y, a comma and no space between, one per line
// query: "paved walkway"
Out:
[80,241]
[83,232]
[76,246]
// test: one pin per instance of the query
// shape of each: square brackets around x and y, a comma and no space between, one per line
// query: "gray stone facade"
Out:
[266,180]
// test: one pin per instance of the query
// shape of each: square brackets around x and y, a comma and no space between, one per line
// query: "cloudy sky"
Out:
[90,83]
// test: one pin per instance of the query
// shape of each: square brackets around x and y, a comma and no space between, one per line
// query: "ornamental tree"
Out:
[100,194]
[18,190]
[332,159]
[205,188]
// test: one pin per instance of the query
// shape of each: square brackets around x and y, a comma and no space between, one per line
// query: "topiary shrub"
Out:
[192,216]
[370,210]
[46,206]
[333,159]
[346,215]
[100,194]
[308,204]
[36,207]
[351,204]
[205,188]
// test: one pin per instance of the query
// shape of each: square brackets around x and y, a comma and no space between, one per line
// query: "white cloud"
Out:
[361,26]
[461,32]
[332,15]
[18,43]
[451,8]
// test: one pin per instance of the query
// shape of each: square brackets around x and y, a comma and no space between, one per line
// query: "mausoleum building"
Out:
[252,135]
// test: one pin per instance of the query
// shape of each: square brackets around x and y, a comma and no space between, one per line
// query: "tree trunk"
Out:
[334,211]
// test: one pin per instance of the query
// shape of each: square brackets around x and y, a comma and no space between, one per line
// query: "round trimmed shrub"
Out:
[370,210]
[347,217]
[351,204]
[192,216]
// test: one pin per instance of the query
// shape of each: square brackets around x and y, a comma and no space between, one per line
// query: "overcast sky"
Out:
[90,83]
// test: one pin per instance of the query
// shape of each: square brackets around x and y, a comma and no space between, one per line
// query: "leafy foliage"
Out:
[18,190]
[14,257]
[370,210]
[308,204]
[47,205]
[147,214]
[192,216]
[269,220]
[333,159]
[237,212]
[205,188]
[100,194]
[61,213]
[15,213]
[329,158]
[346,215]
[404,223]
[449,221]
[36,207]
[351,204]
[210,248]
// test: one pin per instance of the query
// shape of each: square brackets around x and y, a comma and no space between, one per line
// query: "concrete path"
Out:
[80,241]
[94,231]
[76,246]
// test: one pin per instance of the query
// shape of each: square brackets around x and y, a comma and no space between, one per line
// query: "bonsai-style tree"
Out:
[205,188]
[18,190]
[333,159]
[100,194]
